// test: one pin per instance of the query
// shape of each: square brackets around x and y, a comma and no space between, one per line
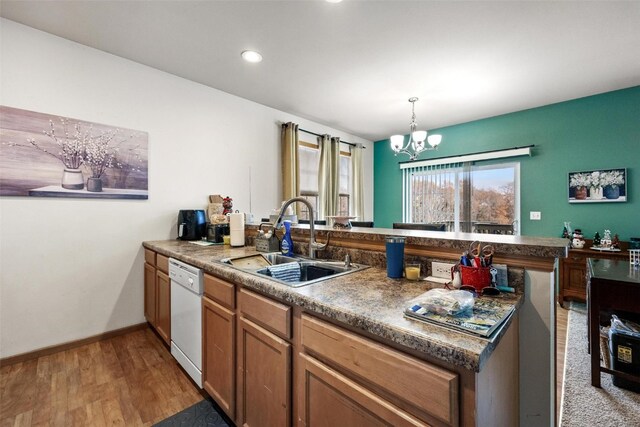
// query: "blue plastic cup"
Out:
[395,256]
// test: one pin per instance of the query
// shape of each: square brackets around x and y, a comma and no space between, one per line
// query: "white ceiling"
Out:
[354,64]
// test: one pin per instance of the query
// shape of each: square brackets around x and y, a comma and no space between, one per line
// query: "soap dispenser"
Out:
[287,243]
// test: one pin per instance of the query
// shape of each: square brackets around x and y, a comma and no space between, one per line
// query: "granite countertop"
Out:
[366,300]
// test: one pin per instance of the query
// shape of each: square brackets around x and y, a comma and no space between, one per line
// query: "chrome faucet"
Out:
[347,261]
[313,245]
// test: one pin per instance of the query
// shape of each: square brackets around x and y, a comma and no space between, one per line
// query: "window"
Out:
[345,184]
[433,195]
[309,157]
[465,197]
[493,196]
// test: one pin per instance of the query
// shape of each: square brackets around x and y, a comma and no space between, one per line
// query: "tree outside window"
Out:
[467,198]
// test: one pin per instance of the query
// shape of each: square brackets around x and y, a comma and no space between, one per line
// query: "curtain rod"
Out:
[317,134]
[481,155]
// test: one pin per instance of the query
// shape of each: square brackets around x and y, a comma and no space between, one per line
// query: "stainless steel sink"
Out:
[275,258]
[287,268]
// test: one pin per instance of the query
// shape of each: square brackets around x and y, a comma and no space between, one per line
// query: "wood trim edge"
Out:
[45,351]
[519,261]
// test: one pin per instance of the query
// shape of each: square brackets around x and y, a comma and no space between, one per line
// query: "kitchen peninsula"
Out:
[344,342]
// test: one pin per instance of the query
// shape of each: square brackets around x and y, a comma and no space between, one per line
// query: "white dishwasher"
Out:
[186,317]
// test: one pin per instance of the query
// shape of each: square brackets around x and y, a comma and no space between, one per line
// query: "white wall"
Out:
[71,268]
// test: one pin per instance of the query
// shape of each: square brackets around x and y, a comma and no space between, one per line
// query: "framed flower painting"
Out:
[43,155]
[604,185]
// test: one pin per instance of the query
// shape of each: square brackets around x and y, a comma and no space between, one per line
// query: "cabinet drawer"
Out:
[162,262]
[271,315]
[426,387]
[220,291]
[150,257]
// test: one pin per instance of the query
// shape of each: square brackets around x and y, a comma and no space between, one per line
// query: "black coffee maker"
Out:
[192,224]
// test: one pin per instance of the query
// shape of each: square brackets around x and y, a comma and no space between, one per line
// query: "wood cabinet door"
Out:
[264,377]
[218,341]
[150,293]
[163,307]
[573,282]
[331,399]
[577,273]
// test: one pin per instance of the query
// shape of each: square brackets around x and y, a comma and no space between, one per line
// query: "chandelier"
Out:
[416,144]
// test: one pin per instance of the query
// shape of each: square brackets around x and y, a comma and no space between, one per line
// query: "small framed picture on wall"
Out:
[604,185]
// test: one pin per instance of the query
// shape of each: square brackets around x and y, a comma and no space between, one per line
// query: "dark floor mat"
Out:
[202,414]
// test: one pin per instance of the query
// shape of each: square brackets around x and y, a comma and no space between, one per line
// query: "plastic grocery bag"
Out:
[624,326]
[446,302]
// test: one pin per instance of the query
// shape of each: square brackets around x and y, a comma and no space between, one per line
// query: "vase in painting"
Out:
[595,193]
[581,193]
[611,192]
[94,184]
[72,179]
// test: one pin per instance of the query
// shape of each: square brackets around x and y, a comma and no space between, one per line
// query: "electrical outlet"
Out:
[441,269]
[536,216]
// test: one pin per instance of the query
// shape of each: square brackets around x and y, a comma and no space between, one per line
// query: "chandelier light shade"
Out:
[416,143]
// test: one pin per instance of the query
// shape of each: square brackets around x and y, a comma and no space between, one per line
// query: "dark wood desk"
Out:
[611,285]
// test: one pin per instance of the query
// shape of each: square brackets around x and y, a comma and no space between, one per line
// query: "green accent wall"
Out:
[596,132]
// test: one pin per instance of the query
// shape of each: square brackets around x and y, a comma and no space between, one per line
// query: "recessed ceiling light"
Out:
[251,56]
[334,1]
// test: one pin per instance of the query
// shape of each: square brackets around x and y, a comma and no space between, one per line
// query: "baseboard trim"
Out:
[45,351]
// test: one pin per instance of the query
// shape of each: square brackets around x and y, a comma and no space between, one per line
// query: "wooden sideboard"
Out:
[573,270]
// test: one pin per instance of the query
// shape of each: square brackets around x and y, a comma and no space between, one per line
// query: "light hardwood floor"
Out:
[129,380]
[561,348]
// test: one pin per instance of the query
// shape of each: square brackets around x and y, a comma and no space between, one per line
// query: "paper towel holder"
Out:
[236,229]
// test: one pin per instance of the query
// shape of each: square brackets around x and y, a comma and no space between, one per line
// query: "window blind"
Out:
[430,193]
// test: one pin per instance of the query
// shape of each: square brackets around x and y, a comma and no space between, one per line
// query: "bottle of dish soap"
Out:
[287,243]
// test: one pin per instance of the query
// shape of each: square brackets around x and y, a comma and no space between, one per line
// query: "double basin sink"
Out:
[292,271]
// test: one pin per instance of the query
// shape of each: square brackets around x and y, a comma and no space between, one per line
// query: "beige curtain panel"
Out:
[328,176]
[290,163]
[357,183]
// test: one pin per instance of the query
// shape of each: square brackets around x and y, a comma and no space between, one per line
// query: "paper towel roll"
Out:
[236,221]
[236,229]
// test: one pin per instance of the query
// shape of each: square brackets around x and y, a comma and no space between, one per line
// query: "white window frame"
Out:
[303,193]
